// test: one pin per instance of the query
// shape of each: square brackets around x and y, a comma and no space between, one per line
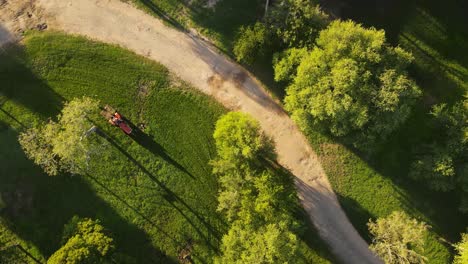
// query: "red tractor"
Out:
[116,119]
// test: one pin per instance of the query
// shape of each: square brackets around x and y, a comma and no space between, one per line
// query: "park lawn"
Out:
[154,192]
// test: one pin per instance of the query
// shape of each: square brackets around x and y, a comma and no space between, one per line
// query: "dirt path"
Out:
[195,61]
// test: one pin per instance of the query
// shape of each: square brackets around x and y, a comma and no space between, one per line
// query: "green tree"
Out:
[255,200]
[86,242]
[285,63]
[272,243]
[442,165]
[251,43]
[62,145]
[398,239]
[462,251]
[238,138]
[352,84]
[296,23]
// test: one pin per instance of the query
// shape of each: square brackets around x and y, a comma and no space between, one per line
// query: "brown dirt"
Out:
[198,63]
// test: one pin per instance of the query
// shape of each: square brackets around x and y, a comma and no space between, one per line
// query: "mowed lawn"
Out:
[155,192]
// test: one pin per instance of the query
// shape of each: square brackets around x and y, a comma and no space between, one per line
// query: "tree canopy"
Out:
[250,42]
[272,243]
[86,242]
[398,239]
[352,84]
[462,250]
[442,164]
[61,145]
[288,24]
[238,138]
[254,200]
[296,23]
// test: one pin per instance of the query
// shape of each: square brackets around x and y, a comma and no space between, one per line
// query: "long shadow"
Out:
[148,143]
[227,70]
[161,14]
[135,210]
[21,85]
[390,15]
[435,61]
[393,160]
[12,118]
[38,206]
[169,195]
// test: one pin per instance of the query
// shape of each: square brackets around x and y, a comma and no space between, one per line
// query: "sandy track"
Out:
[197,62]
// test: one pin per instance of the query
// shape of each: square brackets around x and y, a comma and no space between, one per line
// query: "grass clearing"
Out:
[155,192]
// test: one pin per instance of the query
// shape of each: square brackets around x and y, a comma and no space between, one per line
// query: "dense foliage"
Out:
[86,242]
[296,23]
[238,139]
[442,164]
[254,199]
[462,251]
[251,43]
[288,24]
[398,239]
[62,145]
[353,85]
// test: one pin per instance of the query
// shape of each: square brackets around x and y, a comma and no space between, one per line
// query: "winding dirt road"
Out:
[198,63]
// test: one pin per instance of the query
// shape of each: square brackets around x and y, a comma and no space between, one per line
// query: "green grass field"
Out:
[369,187]
[155,192]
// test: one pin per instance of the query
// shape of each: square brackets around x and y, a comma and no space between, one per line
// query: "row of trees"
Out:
[256,201]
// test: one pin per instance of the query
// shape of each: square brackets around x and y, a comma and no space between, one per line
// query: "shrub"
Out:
[250,43]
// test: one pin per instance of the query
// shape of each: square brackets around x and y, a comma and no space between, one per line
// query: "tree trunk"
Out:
[266,7]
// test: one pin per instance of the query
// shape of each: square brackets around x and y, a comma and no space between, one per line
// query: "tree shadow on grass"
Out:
[148,143]
[38,206]
[170,196]
[393,160]
[161,14]
[390,15]
[21,85]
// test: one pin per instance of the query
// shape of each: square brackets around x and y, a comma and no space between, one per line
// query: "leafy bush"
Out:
[250,43]
[88,243]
